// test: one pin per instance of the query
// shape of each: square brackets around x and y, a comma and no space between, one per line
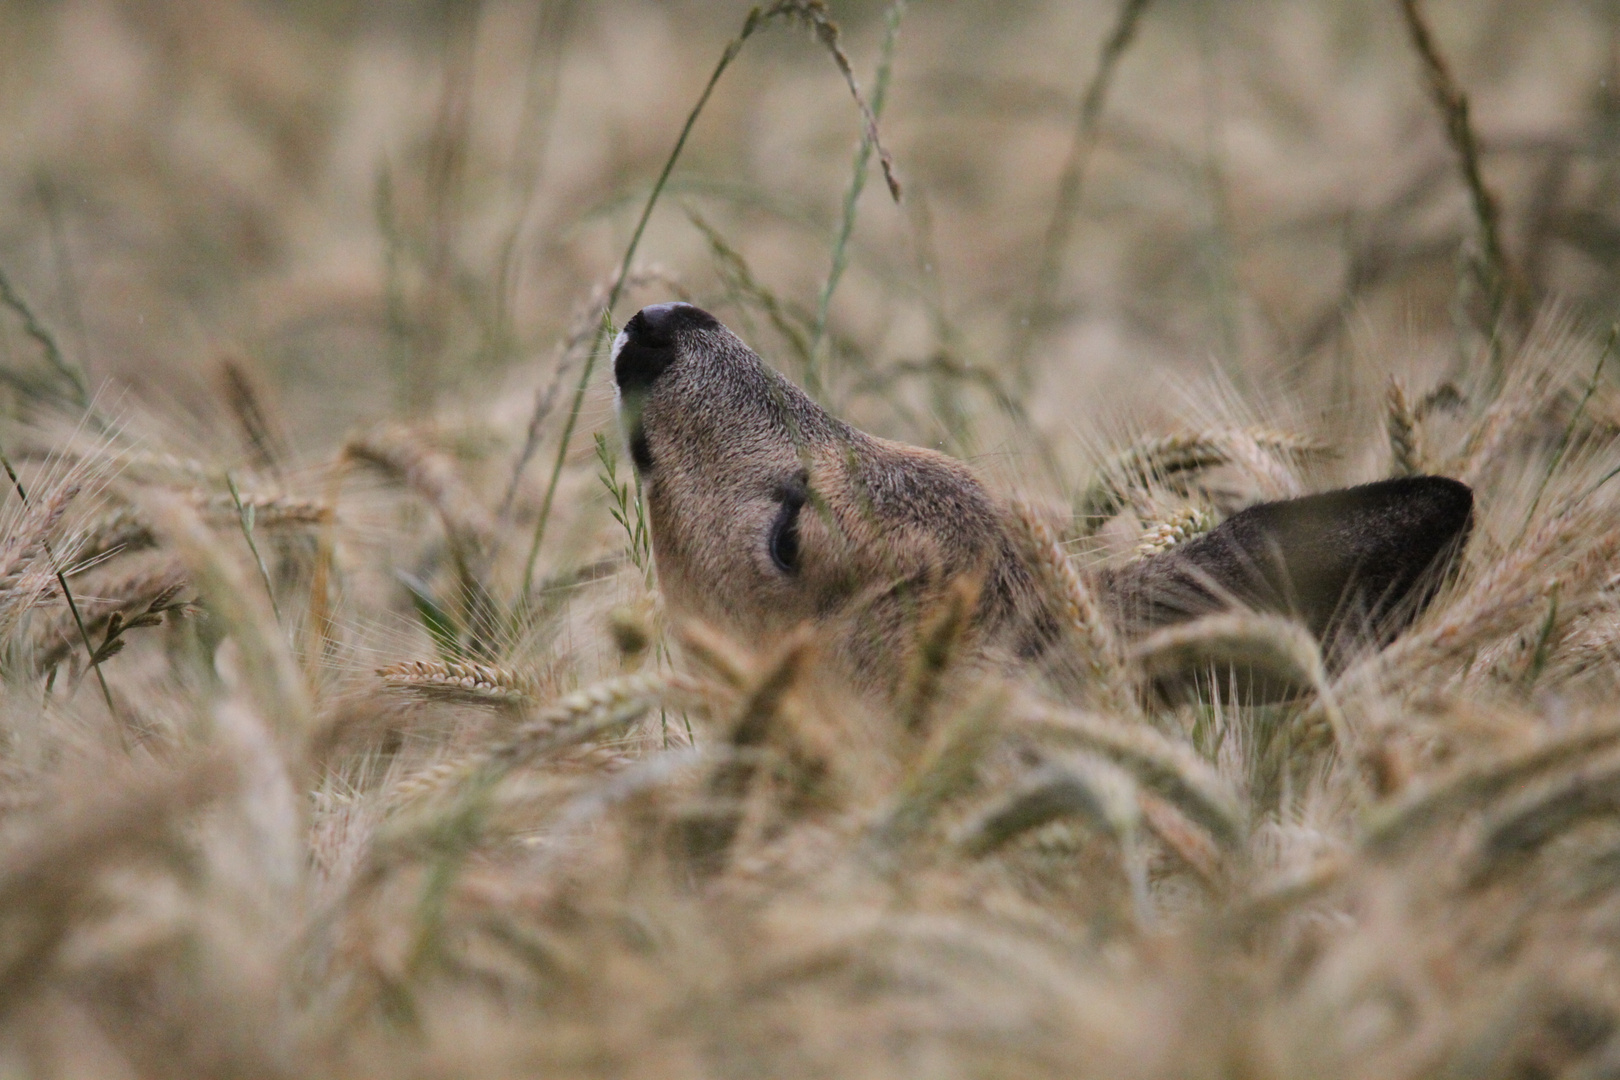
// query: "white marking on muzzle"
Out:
[613,363]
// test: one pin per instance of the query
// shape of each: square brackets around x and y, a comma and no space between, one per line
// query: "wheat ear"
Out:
[939,644]
[1170,768]
[456,681]
[1081,610]
[1178,527]
[1395,828]
[399,453]
[1173,455]
[1401,423]
[268,511]
[578,717]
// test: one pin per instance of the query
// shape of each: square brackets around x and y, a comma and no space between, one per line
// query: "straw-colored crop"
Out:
[1087,628]
[1165,459]
[1177,527]
[461,681]
[345,730]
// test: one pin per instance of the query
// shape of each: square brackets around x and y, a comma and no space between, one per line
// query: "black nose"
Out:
[650,340]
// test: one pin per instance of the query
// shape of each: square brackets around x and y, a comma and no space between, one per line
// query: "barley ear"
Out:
[948,768]
[1397,827]
[1267,646]
[592,713]
[706,832]
[1082,615]
[1170,768]
[1178,527]
[939,643]
[715,653]
[272,674]
[1511,837]
[246,401]
[486,684]
[1076,786]
[1401,423]
[1261,451]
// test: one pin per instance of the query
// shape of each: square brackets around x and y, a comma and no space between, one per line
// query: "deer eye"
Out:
[783,542]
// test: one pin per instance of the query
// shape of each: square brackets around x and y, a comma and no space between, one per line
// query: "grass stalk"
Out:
[37,330]
[1497,276]
[244,517]
[581,331]
[67,593]
[758,18]
[857,183]
[739,277]
[1071,180]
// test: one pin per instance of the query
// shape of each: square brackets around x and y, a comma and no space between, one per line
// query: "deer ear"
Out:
[1357,564]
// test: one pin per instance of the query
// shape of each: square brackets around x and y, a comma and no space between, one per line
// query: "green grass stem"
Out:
[758,17]
[857,183]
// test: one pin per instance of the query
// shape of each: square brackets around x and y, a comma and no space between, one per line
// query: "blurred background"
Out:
[325,274]
[402,208]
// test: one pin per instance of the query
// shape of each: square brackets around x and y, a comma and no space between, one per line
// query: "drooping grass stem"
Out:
[1497,276]
[857,183]
[47,341]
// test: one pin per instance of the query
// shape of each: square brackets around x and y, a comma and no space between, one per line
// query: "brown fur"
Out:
[727,449]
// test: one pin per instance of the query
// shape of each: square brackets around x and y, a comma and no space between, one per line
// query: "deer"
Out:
[768,514]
